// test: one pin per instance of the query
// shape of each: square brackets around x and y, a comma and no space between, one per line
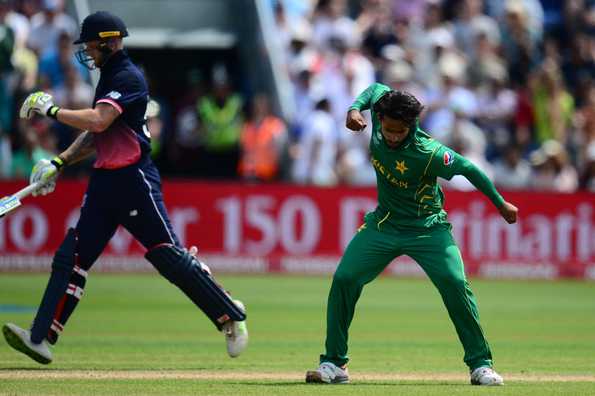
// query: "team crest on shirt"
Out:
[401,167]
[114,95]
[448,158]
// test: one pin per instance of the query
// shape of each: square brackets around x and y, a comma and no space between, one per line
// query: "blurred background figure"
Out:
[7,44]
[155,126]
[54,64]
[36,143]
[552,172]
[316,154]
[220,112]
[263,143]
[512,172]
[588,176]
[48,24]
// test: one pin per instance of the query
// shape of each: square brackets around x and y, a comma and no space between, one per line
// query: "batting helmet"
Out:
[101,25]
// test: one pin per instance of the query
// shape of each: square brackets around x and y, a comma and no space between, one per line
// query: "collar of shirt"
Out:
[114,60]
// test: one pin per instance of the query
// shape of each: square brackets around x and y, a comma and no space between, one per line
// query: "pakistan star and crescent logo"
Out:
[401,167]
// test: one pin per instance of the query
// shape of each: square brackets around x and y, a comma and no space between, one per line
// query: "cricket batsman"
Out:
[410,220]
[124,189]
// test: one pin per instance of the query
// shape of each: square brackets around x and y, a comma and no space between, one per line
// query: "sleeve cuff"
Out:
[113,103]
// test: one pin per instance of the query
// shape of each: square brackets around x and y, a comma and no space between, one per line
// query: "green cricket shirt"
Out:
[408,193]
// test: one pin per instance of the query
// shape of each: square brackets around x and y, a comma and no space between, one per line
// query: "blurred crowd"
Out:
[36,53]
[510,84]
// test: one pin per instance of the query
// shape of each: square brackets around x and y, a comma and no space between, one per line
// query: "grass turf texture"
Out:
[136,334]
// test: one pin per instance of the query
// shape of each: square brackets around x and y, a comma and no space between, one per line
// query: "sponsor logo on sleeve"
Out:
[448,158]
[114,95]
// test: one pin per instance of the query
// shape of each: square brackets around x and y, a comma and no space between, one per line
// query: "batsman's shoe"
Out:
[20,339]
[486,376]
[236,334]
[328,373]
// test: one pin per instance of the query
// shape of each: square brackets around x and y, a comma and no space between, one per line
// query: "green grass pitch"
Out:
[138,335]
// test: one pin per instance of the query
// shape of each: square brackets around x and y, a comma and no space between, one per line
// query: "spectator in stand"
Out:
[304,104]
[585,115]
[32,149]
[54,64]
[28,7]
[185,149]
[485,62]
[47,25]
[154,116]
[301,54]
[399,76]
[533,9]
[584,124]
[18,23]
[587,181]
[410,10]
[73,93]
[519,42]
[317,151]
[330,20]
[220,113]
[430,38]
[469,141]
[7,42]
[512,172]
[497,104]
[578,66]
[552,172]
[378,31]
[353,157]
[24,60]
[332,78]
[283,25]
[263,142]
[358,69]
[553,105]
[452,97]
[471,23]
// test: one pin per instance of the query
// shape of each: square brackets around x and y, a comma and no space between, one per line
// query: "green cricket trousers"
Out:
[369,253]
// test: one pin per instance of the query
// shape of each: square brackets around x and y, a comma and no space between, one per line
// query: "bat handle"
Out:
[27,190]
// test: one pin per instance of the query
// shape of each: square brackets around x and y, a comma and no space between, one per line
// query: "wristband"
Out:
[53,112]
[58,162]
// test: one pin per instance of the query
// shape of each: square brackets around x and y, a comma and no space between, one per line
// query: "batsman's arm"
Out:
[97,119]
[81,148]
[93,120]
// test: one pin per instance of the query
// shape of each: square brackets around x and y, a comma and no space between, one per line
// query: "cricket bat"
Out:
[11,202]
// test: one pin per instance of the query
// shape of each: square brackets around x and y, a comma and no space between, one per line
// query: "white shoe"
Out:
[236,334]
[20,339]
[486,376]
[328,373]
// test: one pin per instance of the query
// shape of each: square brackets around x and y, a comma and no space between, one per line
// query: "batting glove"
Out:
[46,172]
[41,103]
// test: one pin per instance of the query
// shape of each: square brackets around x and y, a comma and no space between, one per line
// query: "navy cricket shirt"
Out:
[127,139]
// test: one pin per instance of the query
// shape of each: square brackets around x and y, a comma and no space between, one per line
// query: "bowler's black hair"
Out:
[399,105]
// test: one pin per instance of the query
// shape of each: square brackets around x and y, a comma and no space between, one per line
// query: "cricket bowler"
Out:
[124,189]
[410,220]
